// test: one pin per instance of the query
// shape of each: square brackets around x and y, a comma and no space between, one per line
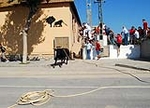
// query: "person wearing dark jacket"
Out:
[3,50]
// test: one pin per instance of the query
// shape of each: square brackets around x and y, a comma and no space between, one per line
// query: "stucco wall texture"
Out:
[41,37]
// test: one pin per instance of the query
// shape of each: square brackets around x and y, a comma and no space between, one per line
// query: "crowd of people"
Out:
[125,37]
[136,35]
[91,42]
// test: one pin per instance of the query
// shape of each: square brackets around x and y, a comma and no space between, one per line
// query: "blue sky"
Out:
[117,13]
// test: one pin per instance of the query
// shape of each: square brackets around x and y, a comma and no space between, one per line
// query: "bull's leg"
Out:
[66,60]
[60,65]
[63,60]
[55,60]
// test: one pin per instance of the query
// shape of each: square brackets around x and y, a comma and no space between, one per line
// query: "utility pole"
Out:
[100,16]
[89,12]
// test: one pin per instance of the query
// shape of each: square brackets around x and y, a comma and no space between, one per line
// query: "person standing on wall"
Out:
[119,42]
[145,26]
[125,34]
[87,31]
[132,36]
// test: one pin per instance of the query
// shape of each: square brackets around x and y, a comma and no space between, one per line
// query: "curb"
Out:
[133,67]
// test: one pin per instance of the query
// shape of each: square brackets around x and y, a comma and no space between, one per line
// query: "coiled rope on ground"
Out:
[34,98]
[42,97]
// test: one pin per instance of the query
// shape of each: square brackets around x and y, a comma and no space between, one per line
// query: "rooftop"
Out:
[7,3]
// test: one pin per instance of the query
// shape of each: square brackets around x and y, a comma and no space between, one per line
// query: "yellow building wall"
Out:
[50,33]
[12,21]
[41,36]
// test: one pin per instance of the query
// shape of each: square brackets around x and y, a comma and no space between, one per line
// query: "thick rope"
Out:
[34,98]
[42,97]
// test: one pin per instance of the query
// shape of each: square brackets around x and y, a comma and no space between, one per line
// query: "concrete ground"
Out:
[130,79]
[76,66]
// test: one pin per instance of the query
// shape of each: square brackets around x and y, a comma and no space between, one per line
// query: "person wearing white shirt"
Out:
[87,30]
[125,34]
[88,49]
[137,36]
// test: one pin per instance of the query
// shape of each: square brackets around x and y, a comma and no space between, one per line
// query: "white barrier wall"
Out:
[129,51]
[145,49]
[84,53]
[103,42]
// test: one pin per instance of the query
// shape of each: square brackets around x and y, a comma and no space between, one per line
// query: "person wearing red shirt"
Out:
[98,49]
[145,26]
[97,30]
[132,37]
[141,32]
[119,42]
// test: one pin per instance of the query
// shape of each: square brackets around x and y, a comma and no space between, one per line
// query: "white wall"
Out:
[145,49]
[129,51]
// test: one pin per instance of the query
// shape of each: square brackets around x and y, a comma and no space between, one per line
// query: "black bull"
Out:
[61,54]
